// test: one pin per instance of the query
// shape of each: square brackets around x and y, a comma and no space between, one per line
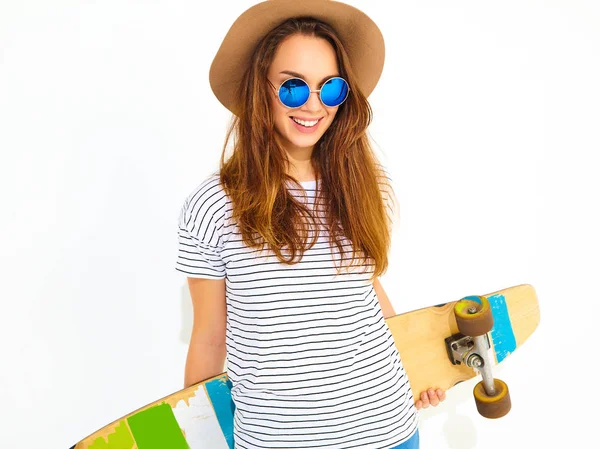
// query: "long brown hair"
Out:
[353,186]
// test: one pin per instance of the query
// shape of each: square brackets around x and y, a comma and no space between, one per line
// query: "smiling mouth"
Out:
[306,123]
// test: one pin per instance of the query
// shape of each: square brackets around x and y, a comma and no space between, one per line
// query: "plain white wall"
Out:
[486,116]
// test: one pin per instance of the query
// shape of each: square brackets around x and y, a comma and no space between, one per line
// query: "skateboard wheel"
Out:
[474,319]
[492,406]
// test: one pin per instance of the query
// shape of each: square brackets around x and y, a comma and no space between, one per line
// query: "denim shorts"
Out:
[411,443]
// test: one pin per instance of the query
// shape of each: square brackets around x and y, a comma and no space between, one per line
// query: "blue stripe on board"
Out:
[502,333]
[219,391]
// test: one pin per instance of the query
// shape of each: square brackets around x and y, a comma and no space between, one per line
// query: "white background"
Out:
[486,116]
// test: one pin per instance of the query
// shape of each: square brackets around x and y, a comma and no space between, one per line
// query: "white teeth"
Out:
[305,123]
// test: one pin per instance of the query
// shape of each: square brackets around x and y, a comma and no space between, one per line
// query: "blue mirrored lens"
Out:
[294,93]
[334,92]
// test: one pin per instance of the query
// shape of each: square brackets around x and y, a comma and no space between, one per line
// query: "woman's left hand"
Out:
[430,397]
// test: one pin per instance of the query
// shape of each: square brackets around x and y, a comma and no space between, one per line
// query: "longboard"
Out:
[201,416]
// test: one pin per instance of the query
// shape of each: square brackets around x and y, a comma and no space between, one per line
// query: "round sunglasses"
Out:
[295,92]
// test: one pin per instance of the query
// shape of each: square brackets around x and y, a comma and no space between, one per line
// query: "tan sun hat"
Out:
[360,36]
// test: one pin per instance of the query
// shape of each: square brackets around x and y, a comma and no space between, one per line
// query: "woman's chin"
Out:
[302,141]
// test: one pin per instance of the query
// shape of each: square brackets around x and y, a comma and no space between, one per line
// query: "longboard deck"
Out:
[201,416]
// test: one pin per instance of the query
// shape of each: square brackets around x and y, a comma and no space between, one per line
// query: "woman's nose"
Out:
[314,102]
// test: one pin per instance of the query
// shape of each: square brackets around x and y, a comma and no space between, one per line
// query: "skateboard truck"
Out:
[474,320]
[473,352]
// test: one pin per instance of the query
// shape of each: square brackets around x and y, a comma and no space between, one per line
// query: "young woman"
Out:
[310,357]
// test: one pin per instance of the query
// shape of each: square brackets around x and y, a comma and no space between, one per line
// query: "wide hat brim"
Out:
[360,36]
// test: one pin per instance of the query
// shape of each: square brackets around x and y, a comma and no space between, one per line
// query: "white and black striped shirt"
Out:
[311,360]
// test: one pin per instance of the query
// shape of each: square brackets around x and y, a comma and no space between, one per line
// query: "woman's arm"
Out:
[431,396]
[207,351]
[384,301]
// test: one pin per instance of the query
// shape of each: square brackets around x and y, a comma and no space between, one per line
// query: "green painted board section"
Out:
[157,428]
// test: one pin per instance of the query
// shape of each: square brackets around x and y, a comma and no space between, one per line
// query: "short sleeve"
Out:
[200,236]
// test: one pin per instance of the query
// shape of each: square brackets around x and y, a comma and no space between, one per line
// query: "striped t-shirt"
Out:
[310,357]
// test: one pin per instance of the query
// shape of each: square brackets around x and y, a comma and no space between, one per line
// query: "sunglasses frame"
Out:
[277,89]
